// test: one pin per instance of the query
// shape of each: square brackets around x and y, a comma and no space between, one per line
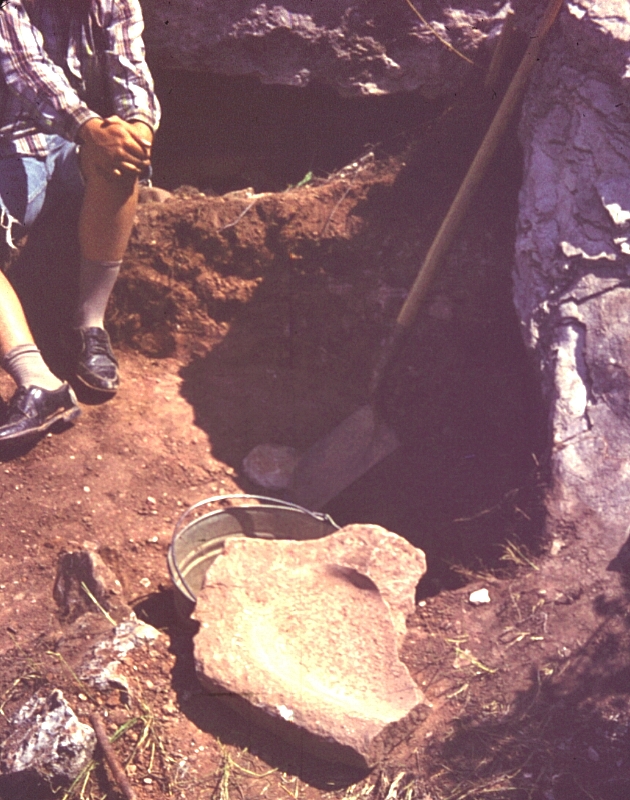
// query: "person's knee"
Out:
[119,188]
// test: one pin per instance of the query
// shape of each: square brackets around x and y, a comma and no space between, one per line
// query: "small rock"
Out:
[593,754]
[87,567]
[152,194]
[479,597]
[105,667]
[48,740]
[309,632]
[271,465]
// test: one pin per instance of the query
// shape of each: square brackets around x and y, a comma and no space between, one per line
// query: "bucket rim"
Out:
[268,502]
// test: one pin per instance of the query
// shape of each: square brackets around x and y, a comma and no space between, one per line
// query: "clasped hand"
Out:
[117,148]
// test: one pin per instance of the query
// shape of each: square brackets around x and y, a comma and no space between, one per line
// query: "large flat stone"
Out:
[307,634]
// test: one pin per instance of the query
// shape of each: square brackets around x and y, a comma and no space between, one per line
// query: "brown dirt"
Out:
[243,319]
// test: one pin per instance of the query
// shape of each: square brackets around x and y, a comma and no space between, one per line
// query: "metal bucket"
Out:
[200,534]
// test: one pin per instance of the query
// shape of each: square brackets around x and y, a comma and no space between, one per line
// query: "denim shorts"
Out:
[28,182]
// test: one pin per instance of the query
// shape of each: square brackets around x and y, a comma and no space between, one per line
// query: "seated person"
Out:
[78,113]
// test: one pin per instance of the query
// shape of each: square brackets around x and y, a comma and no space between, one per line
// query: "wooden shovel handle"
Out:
[476,171]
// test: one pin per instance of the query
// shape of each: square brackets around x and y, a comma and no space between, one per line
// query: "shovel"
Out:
[363,439]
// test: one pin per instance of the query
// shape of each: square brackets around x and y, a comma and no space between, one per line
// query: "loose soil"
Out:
[255,316]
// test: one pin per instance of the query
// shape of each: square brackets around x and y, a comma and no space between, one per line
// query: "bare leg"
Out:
[14,328]
[105,224]
[107,214]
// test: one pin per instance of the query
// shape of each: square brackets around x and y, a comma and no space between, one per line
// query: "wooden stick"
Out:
[116,767]
[477,170]
[501,51]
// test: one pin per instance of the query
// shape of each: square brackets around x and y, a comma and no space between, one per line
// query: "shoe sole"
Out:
[68,416]
[98,389]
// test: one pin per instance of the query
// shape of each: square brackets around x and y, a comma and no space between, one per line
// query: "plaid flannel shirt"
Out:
[63,62]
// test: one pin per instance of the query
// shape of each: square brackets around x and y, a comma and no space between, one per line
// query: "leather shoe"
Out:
[96,365]
[33,410]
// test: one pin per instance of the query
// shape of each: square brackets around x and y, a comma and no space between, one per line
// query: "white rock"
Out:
[479,597]
[48,739]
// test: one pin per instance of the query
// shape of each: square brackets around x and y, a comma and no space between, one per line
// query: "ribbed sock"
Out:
[96,281]
[26,366]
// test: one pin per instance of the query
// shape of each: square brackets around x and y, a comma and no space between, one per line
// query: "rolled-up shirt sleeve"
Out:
[38,82]
[130,82]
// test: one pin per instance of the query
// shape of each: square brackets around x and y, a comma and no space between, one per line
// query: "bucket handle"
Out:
[320,517]
[270,501]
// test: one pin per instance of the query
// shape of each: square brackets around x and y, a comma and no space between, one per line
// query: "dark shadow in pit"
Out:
[270,137]
[463,397]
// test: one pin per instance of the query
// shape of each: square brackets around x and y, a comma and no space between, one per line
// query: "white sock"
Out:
[96,281]
[25,365]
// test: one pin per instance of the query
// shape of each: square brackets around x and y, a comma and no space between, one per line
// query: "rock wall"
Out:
[361,48]
[572,275]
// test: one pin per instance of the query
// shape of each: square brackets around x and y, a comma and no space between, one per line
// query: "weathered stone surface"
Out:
[48,740]
[573,263]
[309,634]
[360,48]
[85,569]
[106,667]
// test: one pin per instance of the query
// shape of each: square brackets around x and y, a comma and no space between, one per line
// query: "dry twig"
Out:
[112,759]
[444,41]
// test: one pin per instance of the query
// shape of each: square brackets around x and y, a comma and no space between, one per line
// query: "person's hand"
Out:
[115,147]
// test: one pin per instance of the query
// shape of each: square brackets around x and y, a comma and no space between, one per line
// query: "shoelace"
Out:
[97,345]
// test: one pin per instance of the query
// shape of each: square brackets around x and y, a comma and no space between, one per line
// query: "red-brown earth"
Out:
[245,318]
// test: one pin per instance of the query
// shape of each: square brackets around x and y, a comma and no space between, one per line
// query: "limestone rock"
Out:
[573,263]
[106,667]
[360,48]
[48,740]
[309,633]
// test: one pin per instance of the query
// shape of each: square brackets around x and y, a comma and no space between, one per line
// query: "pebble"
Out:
[271,466]
[479,597]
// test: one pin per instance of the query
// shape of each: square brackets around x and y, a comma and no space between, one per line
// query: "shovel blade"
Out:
[342,457]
